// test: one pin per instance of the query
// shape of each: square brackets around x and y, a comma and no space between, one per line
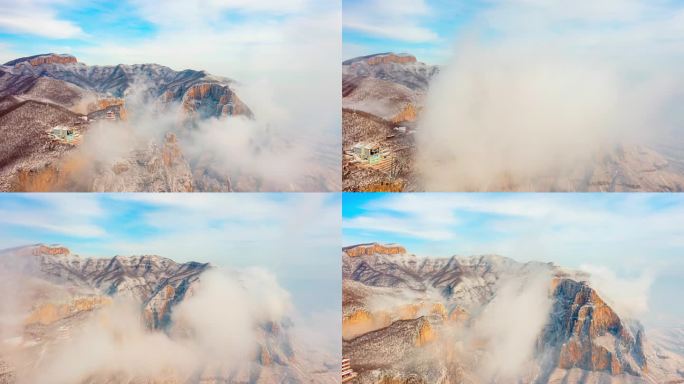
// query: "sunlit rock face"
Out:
[589,335]
[419,320]
[50,58]
[375,248]
[213,100]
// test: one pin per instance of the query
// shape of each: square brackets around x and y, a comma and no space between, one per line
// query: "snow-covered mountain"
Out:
[52,298]
[487,319]
[44,93]
[198,91]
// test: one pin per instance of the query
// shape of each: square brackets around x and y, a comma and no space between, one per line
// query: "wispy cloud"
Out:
[397,20]
[74,215]
[631,244]
[37,17]
[297,236]
[568,229]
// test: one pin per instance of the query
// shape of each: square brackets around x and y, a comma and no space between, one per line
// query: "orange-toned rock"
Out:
[439,309]
[585,317]
[362,321]
[171,151]
[214,99]
[52,59]
[372,249]
[50,312]
[158,307]
[391,58]
[408,311]
[104,103]
[408,113]
[46,250]
[425,334]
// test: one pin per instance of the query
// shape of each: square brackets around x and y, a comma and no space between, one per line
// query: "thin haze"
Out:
[538,90]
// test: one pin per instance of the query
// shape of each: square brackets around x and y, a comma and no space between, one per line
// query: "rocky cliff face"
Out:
[588,334]
[151,168]
[372,249]
[50,58]
[212,100]
[385,290]
[401,69]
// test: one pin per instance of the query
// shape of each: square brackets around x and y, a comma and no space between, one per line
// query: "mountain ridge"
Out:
[581,332]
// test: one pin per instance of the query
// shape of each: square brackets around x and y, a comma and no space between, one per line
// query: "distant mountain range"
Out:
[62,292]
[411,319]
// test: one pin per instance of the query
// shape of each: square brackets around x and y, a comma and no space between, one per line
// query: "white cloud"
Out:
[628,296]
[286,60]
[169,13]
[541,91]
[36,17]
[66,214]
[397,20]
[567,229]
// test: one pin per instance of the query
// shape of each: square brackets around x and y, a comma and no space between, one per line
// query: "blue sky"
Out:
[634,242]
[234,38]
[425,28]
[295,236]
[433,30]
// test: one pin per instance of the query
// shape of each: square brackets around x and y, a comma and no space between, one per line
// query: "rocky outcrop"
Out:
[425,334]
[401,69]
[388,345]
[372,249]
[586,333]
[382,58]
[151,169]
[50,58]
[212,100]
[408,113]
[50,250]
[102,108]
[48,313]
[157,310]
[391,58]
